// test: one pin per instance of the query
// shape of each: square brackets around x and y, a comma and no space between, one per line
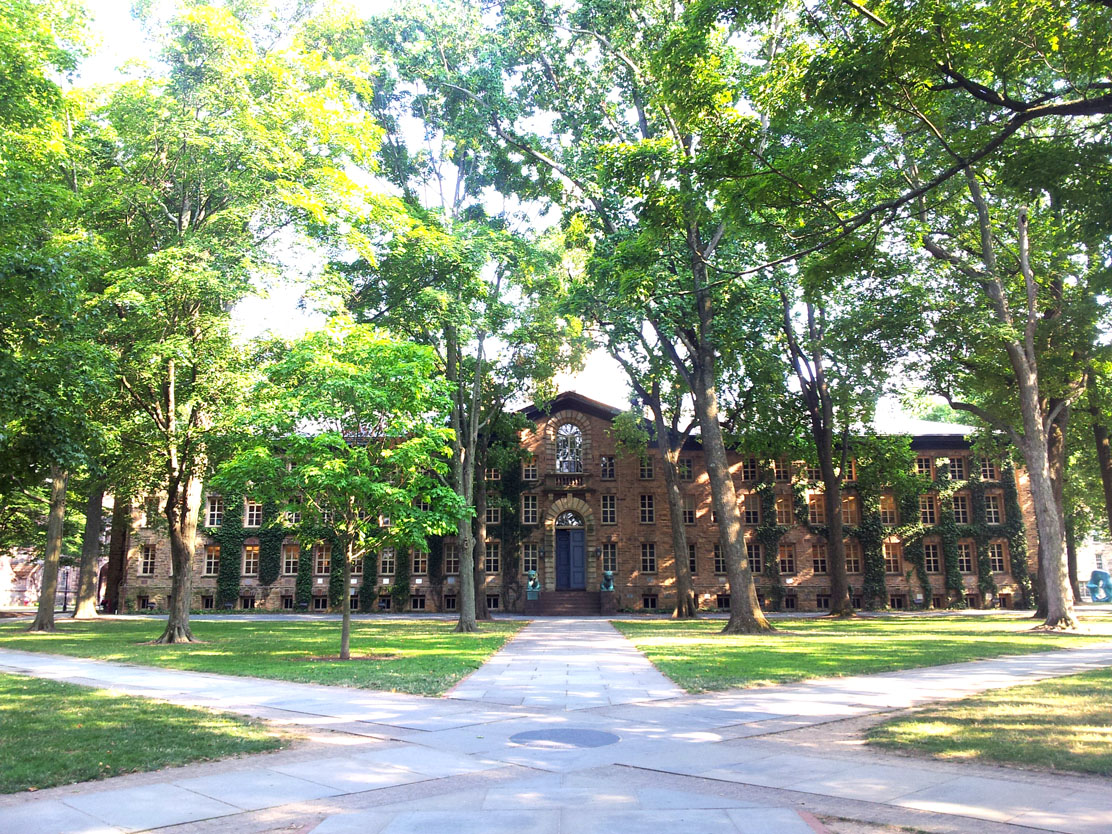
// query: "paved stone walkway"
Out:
[551,736]
[567,664]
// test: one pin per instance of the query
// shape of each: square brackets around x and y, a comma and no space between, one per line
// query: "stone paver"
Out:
[567,664]
[616,740]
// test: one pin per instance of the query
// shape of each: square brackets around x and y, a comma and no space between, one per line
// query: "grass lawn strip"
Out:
[422,657]
[1060,724]
[700,659]
[57,733]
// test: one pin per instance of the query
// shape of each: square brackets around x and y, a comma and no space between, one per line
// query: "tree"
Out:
[349,428]
[485,296]
[195,171]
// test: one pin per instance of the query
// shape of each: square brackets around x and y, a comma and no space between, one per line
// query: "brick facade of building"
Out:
[614,510]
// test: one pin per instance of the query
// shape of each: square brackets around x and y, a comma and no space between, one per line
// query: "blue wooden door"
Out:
[578,559]
[563,559]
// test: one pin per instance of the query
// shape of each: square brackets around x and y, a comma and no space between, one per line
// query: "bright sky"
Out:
[280,310]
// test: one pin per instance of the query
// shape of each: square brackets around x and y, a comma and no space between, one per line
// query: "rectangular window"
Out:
[146,560]
[493,514]
[685,469]
[784,511]
[965,557]
[749,470]
[719,560]
[357,569]
[646,469]
[494,602]
[893,557]
[853,555]
[649,602]
[993,512]
[215,514]
[529,468]
[609,509]
[822,602]
[449,602]
[924,466]
[752,505]
[851,475]
[606,467]
[789,603]
[492,560]
[247,603]
[813,473]
[384,521]
[957,468]
[384,603]
[529,512]
[291,555]
[754,556]
[722,602]
[816,508]
[926,509]
[648,557]
[888,514]
[212,559]
[988,470]
[451,558]
[251,560]
[961,509]
[787,558]
[931,558]
[320,603]
[293,516]
[417,603]
[851,513]
[420,563]
[610,557]
[689,509]
[492,474]
[648,510]
[692,562]
[780,470]
[387,562]
[818,557]
[322,558]
[530,558]
[208,602]
[253,514]
[996,557]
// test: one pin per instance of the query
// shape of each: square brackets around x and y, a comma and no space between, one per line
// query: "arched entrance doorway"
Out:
[571,552]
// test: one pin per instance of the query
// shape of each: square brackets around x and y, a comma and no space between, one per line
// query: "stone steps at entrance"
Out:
[565,604]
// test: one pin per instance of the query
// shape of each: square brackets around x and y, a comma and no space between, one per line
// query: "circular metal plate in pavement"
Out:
[565,738]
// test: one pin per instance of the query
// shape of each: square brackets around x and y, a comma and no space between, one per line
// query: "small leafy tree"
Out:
[349,427]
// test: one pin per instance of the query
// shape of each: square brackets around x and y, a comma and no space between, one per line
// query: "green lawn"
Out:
[418,656]
[1061,724]
[56,733]
[698,658]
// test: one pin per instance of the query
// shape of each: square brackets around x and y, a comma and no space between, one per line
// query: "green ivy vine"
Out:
[399,591]
[947,530]
[1015,532]
[368,590]
[768,534]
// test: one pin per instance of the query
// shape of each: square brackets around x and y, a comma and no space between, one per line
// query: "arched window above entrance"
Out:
[569,519]
[569,448]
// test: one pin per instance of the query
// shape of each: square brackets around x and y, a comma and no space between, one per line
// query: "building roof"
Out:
[925,434]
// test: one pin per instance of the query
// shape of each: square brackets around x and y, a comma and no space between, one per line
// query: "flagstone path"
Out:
[567,729]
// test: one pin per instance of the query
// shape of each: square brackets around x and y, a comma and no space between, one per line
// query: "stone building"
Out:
[578,508]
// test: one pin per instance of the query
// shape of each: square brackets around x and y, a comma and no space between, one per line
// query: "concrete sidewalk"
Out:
[552,735]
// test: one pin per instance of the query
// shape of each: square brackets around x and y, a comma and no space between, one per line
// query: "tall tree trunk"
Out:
[686,607]
[117,554]
[1071,559]
[44,617]
[746,616]
[183,506]
[345,607]
[85,607]
[1104,458]
[464,423]
[481,610]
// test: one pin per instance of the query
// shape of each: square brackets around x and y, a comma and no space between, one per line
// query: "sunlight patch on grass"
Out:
[423,657]
[1059,724]
[55,733]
